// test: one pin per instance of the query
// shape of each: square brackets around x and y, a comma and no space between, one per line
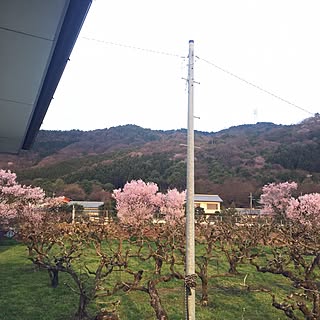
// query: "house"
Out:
[90,208]
[248,211]
[211,203]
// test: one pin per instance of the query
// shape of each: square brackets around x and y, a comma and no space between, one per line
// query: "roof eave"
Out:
[70,29]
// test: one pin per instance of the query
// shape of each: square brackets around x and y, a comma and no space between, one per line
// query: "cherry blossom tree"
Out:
[18,201]
[276,197]
[172,206]
[277,200]
[305,209]
[138,202]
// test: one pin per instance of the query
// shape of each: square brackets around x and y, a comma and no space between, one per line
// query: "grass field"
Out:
[26,294]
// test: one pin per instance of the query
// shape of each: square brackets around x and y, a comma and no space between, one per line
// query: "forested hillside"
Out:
[231,163]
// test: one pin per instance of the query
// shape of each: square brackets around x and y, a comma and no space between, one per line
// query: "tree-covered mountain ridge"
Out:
[232,163]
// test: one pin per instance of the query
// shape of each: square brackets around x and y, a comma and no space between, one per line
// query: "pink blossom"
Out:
[275,198]
[55,202]
[137,202]
[173,205]
[19,202]
[305,209]
[278,200]
[7,178]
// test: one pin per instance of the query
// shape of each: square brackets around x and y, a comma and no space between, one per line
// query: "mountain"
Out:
[231,162]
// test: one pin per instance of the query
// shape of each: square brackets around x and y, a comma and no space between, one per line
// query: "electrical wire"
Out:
[134,47]
[255,86]
[204,60]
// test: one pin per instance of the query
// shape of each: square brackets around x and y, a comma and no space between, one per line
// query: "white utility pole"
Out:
[73,214]
[251,201]
[190,242]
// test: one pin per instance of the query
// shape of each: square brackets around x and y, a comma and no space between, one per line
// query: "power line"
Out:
[255,86]
[134,47]
[202,59]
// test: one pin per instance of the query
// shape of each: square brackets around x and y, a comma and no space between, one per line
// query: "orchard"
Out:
[141,253]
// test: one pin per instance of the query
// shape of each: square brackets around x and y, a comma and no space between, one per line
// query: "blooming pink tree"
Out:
[18,201]
[276,197]
[22,203]
[277,200]
[53,203]
[172,206]
[138,202]
[305,209]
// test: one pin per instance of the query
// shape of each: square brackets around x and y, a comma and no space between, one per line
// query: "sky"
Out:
[109,81]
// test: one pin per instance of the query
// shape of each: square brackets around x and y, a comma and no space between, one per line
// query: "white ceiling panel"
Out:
[41,21]
[14,120]
[23,61]
[36,40]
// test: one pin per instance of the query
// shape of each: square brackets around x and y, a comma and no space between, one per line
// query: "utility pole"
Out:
[190,242]
[251,201]
[73,214]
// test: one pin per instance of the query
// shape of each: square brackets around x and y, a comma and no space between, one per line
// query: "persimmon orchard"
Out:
[295,248]
[144,248]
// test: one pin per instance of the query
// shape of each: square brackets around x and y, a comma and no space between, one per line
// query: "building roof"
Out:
[207,198]
[36,38]
[87,204]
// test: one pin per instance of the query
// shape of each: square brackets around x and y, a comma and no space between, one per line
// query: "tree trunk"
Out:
[204,290]
[83,298]
[233,266]
[158,265]
[82,313]
[316,305]
[155,302]
[30,251]
[54,277]
[158,260]
[106,315]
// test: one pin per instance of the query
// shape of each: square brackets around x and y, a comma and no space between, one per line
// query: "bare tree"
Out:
[295,255]
[61,247]
[157,244]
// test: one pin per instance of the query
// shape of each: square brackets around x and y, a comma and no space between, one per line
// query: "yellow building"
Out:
[209,202]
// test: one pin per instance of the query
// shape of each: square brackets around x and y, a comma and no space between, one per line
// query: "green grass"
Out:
[26,294]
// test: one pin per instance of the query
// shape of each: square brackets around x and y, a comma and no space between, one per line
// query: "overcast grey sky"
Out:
[273,44]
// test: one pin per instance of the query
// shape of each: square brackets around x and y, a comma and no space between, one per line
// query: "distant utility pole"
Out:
[190,278]
[73,213]
[251,201]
